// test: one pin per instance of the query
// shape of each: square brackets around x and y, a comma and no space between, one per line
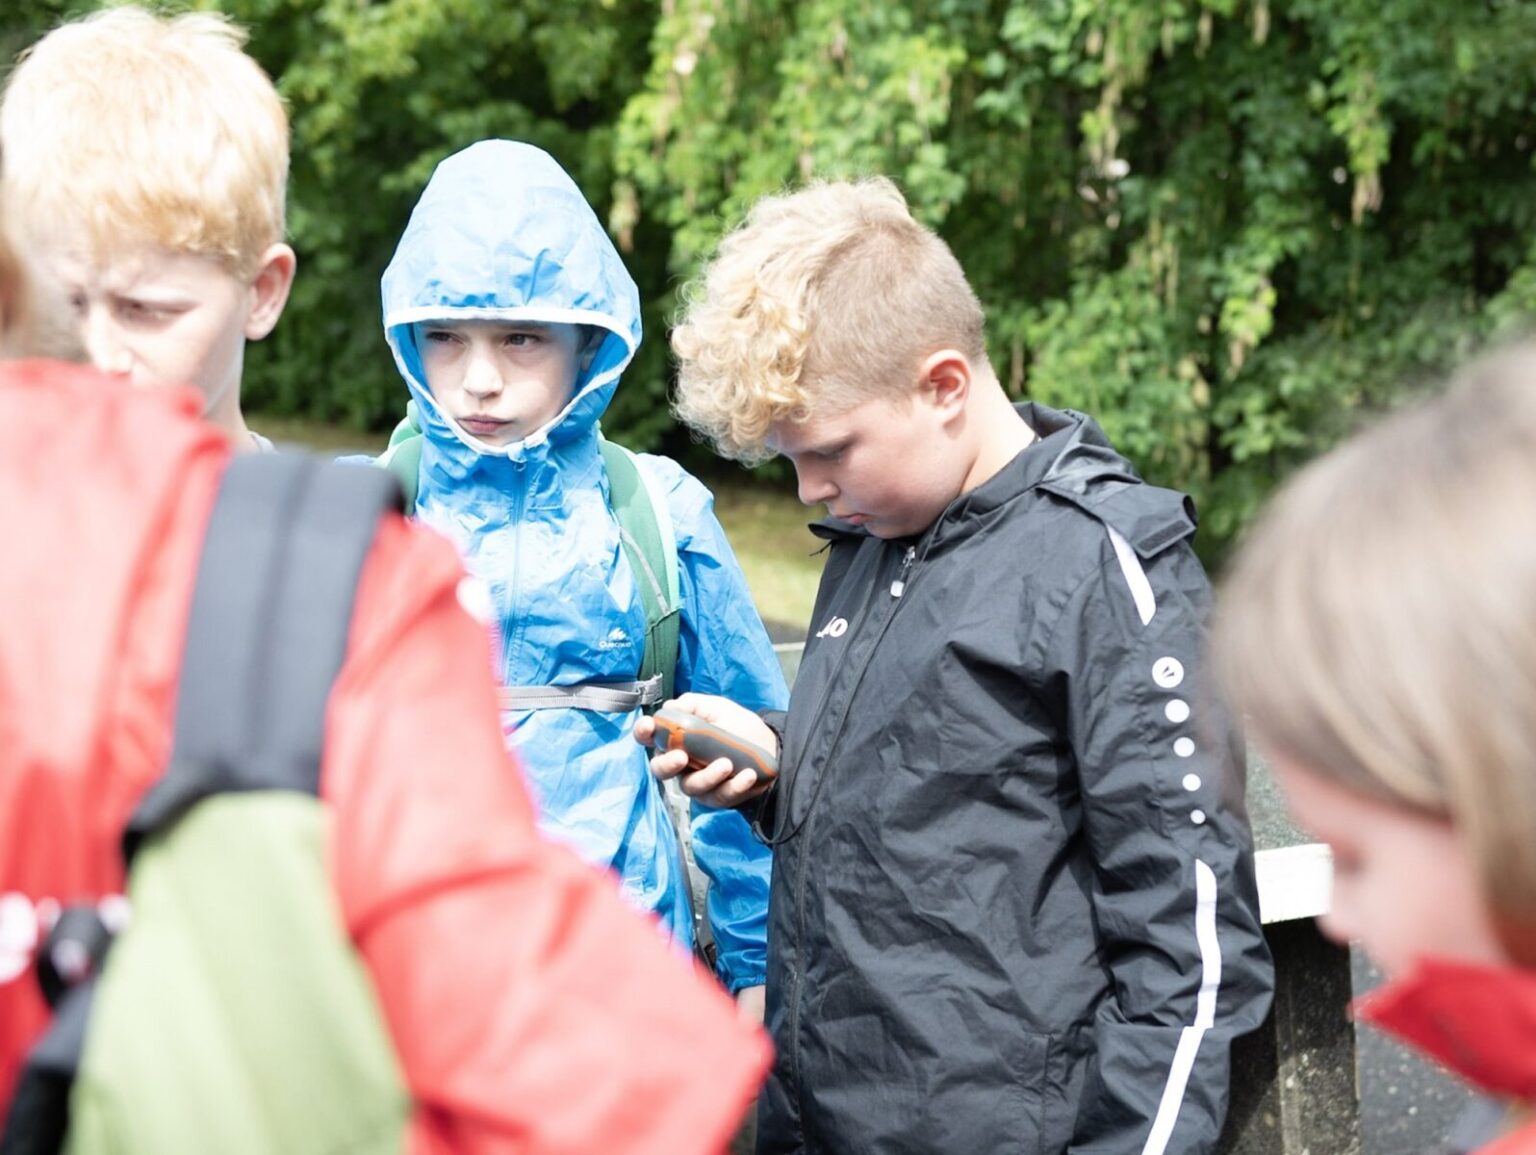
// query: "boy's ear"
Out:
[945,381]
[269,290]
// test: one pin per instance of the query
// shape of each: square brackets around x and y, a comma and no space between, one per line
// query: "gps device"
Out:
[706,743]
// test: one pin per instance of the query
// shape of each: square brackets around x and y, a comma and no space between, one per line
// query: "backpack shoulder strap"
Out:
[402,457]
[37,1122]
[268,630]
[650,543]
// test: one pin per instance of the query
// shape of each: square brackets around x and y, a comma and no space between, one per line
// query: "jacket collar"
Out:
[1072,454]
[1480,1021]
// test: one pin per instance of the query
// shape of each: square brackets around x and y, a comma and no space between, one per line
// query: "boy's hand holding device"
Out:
[721,753]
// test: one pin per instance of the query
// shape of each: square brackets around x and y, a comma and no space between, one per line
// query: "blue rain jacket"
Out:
[502,232]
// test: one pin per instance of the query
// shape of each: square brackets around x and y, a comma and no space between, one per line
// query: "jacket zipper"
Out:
[898,587]
[514,643]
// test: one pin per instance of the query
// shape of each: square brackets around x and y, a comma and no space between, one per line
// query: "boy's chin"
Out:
[887,528]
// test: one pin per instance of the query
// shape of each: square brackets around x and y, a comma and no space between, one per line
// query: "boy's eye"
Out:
[521,339]
[440,336]
[144,311]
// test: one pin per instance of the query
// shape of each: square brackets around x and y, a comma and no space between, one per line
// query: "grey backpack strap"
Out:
[268,629]
[607,697]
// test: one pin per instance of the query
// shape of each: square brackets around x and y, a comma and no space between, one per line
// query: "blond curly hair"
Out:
[820,300]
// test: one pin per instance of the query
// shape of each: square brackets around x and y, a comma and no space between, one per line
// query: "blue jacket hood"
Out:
[502,232]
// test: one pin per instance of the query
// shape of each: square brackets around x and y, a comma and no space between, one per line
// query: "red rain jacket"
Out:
[532,1010]
[1478,1021]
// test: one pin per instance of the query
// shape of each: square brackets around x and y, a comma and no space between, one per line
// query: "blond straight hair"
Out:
[820,300]
[1378,626]
[128,127]
[15,309]
[33,321]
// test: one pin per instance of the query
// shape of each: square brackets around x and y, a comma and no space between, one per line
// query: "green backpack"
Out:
[650,544]
[232,1014]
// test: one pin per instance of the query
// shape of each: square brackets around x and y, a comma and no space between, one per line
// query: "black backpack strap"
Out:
[39,1114]
[268,630]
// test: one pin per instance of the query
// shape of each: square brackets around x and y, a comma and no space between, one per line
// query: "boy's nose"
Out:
[813,488]
[103,343]
[482,378]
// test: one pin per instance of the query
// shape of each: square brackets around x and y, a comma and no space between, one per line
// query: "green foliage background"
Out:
[1225,227]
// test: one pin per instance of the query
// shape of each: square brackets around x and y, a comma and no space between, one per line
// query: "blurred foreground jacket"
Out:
[531,1009]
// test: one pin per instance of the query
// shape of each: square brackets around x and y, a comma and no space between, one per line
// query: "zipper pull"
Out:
[900,584]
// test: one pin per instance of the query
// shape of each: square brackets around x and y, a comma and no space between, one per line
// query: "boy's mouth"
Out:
[481,426]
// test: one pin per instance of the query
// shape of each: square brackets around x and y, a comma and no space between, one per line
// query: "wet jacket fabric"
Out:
[491,949]
[502,232]
[1477,1021]
[1014,906]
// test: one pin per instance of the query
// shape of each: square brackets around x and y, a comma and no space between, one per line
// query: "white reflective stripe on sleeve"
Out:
[1205,1012]
[1135,577]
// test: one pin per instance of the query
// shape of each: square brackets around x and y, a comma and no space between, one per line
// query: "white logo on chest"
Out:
[836,628]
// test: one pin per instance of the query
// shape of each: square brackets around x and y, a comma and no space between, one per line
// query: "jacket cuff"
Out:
[775,720]
[740,980]
[761,811]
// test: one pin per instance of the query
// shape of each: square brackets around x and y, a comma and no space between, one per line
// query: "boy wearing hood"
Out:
[511,318]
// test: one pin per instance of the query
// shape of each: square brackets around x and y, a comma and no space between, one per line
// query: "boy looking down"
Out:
[1013,897]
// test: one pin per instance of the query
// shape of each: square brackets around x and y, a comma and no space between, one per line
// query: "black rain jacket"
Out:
[1013,907]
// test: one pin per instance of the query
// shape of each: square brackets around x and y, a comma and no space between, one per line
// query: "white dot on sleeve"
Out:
[475,598]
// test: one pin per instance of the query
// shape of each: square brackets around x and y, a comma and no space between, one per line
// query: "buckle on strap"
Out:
[73,952]
[605,697]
